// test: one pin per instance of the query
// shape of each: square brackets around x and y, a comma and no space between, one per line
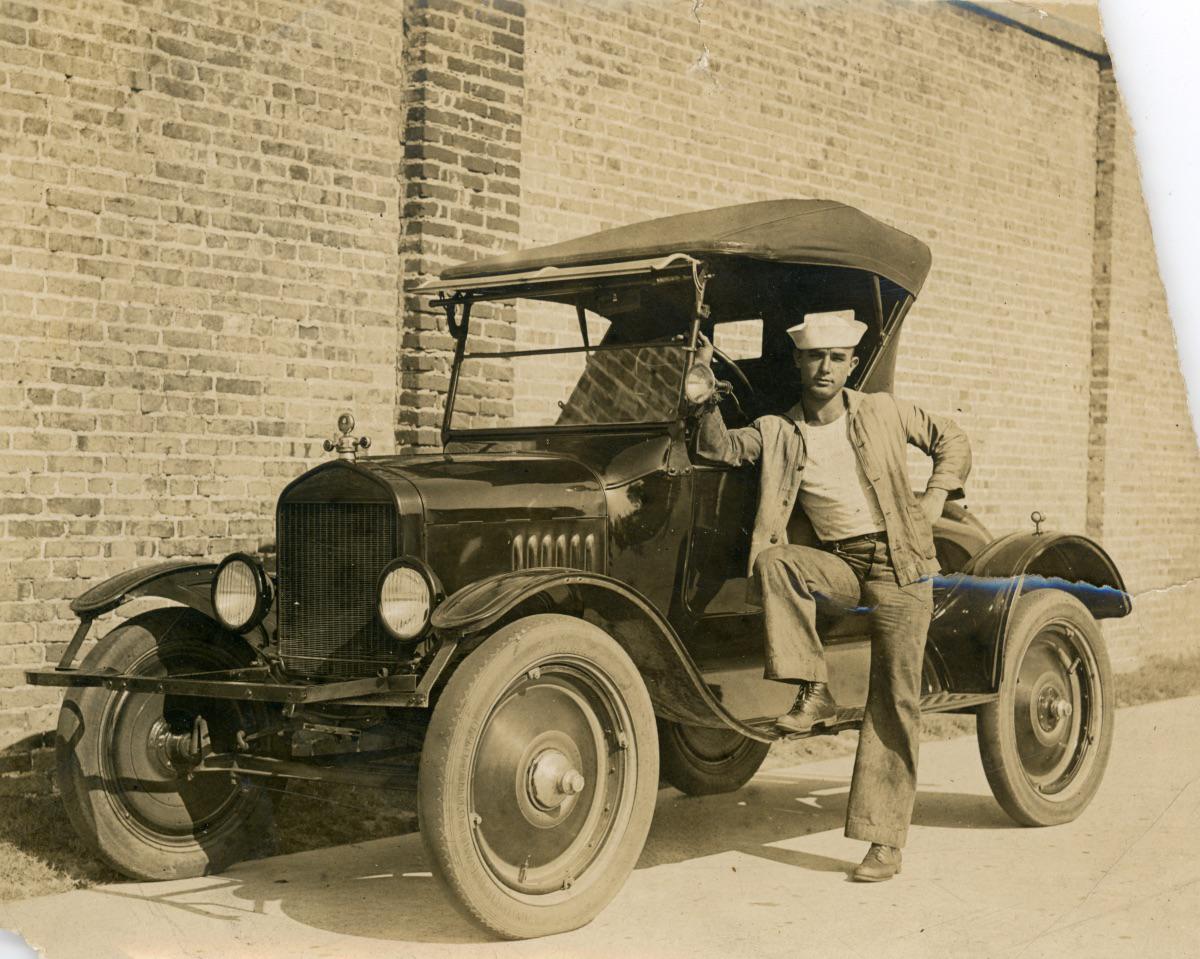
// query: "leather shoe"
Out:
[881,862]
[813,705]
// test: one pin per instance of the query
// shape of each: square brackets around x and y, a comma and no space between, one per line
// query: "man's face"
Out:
[823,373]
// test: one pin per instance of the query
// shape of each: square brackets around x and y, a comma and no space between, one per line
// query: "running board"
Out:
[850,717]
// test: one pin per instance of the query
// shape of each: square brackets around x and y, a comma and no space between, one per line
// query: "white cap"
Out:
[826,331]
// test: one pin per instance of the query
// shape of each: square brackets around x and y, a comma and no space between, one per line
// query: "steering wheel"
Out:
[748,394]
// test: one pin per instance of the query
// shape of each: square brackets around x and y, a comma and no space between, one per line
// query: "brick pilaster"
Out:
[462,154]
[1099,383]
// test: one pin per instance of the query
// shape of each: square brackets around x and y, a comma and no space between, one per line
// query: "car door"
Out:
[724,500]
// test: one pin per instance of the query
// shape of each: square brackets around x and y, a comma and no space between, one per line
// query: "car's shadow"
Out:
[384,890]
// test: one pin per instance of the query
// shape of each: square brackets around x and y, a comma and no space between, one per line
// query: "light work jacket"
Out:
[880,427]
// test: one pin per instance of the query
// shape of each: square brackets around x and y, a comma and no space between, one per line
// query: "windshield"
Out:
[557,372]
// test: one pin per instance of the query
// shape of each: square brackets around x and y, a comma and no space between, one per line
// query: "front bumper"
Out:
[253,684]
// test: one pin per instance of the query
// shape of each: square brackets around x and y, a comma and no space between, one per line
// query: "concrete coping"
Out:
[1033,20]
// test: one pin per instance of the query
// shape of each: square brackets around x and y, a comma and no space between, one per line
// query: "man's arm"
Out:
[734,447]
[713,440]
[948,446]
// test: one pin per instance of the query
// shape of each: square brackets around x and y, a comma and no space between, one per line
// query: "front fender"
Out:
[183,580]
[675,684]
[968,632]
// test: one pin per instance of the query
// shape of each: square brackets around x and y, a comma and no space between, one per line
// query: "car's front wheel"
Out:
[123,758]
[1045,741]
[538,776]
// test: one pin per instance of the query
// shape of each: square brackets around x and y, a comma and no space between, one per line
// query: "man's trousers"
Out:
[858,574]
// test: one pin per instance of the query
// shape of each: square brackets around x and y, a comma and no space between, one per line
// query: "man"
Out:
[839,455]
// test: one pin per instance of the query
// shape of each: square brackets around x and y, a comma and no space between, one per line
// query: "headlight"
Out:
[699,384]
[241,592]
[407,591]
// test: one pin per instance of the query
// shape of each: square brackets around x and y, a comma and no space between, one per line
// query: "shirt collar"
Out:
[850,399]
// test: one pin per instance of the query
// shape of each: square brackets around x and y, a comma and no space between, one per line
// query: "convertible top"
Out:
[809,232]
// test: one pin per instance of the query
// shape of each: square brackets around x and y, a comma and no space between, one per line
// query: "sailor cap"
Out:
[825,331]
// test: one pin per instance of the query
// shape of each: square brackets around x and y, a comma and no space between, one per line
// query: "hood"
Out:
[467,515]
[493,487]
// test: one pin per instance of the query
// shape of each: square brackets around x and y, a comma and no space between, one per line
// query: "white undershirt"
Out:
[834,491]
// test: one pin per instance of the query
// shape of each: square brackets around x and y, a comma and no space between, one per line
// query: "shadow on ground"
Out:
[383,890]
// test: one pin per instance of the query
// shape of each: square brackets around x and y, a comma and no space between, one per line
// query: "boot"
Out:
[881,862]
[813,705]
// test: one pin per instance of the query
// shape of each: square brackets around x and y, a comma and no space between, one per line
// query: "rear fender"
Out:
[958,535]
[676,686]
[968,633]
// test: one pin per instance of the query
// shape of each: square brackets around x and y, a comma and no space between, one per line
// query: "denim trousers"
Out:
[858,574]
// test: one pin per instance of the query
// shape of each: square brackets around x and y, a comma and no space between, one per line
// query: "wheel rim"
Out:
[144,770]
[710,748]
[553,779]
[1057,710]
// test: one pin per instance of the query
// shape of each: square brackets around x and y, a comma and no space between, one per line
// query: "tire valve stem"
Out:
[524,870]
[476,820]
[535,673]
[568,882]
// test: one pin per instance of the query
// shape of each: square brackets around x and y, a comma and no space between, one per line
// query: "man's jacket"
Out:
[880,428]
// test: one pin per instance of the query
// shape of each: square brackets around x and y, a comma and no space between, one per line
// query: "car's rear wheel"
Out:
[1045,742]
[702,762]
[538,776]
[123,758]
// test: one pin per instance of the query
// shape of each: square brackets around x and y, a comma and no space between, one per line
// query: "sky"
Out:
[1153,45]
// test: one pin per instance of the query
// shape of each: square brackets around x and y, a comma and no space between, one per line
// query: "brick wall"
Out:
[1144,503]
[198,270]
[206,212]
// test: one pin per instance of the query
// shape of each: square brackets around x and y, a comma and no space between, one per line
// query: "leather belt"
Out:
[853,540]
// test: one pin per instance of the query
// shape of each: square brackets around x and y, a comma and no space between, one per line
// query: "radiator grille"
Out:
[330,559]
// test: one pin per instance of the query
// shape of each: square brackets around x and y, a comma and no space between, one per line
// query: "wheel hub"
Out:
[169,748]
[1052,708]
[552,778]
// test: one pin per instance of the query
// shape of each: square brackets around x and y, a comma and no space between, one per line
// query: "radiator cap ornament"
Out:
[347,446]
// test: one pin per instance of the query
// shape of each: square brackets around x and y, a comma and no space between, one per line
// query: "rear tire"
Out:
[703,762]
[539,776]
[126,797]
[1045,741]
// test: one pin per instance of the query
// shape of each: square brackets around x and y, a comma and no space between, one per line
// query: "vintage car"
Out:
[530,627]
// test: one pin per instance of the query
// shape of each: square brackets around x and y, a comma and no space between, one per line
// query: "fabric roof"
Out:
[812,232]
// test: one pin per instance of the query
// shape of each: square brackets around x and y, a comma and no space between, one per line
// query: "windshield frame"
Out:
[683,342]
[577,287]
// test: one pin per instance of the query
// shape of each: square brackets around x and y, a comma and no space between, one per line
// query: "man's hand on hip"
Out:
[931,502]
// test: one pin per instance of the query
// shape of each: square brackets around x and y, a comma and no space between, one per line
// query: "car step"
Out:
[848,717]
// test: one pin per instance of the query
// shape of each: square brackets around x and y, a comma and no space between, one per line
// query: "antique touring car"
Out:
[528,628]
